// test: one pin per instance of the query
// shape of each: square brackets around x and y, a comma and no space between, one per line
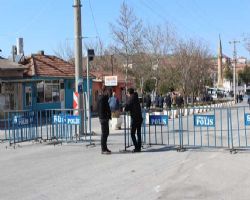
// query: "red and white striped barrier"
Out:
[75,102]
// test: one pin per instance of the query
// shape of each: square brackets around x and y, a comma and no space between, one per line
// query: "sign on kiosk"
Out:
[110,80]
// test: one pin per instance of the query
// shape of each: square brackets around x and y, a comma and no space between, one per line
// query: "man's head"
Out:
[131,91]
[104,90]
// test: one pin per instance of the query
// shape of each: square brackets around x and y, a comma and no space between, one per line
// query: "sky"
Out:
[48,24]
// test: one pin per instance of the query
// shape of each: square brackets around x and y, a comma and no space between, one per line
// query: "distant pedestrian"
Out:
[148,101]
[114,104]
[168,101]
[173,99]
[161,101]
[133,106]
[157,100]
[248,101]
[104,114]
[179,101]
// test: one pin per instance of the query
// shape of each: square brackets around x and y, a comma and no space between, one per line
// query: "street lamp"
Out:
[90,57]
[234,69]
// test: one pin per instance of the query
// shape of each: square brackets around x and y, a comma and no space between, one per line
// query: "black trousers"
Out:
[105,133]
[136,128]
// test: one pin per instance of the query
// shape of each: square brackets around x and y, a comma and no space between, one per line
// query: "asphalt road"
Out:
[77,171]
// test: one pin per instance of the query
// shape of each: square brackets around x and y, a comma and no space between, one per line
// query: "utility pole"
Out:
[234,42]
[78,59]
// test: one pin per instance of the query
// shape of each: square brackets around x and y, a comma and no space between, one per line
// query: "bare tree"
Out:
[192,60]
[247,42]
[97,45]
[102,60]
[127,35]
[159,42]
[65,51]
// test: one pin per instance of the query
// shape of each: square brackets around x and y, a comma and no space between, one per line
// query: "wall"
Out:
[10,73]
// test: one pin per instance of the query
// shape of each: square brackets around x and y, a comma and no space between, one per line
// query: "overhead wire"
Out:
[94,21]
[171,17]
[35,18]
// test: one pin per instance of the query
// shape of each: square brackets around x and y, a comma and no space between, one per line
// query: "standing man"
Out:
[161,101]
[133,106]
[114,103]
[168,101]
[148,101]
[104,114]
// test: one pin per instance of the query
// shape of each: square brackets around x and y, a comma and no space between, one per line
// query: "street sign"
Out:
[158,120]
[247,119]
[204,120]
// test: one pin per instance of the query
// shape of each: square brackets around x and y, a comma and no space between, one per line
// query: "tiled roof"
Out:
[49,66]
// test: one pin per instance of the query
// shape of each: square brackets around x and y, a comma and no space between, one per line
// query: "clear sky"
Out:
[45,24]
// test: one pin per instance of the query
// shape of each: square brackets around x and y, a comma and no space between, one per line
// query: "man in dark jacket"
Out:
[104,114]
[133,106]
[148,101]
[168,101]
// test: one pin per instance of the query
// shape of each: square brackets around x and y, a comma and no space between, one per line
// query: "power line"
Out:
[35,17]
[93,17]
[183,25]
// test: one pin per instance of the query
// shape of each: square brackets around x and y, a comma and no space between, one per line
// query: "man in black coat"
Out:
[133,106]
[104,114]
[148,101]
[168,101]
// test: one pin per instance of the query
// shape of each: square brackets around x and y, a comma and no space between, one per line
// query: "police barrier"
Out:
[214,127]
[20,126]
[218,128]
[127,129]
[45,125]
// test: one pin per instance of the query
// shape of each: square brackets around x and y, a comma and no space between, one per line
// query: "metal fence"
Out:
[198,127]
[59,125]
[127,129]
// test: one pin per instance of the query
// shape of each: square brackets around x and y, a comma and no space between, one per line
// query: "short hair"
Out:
[131,90]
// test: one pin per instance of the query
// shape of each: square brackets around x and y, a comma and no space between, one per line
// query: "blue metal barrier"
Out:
[127,129]
[21,126]
[57,124]
[198,127]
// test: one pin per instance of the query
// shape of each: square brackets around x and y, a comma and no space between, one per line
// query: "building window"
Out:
[40,92]
[48,91]
[28,96]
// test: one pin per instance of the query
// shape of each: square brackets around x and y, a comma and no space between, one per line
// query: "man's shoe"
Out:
[136,150]
[106,152]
